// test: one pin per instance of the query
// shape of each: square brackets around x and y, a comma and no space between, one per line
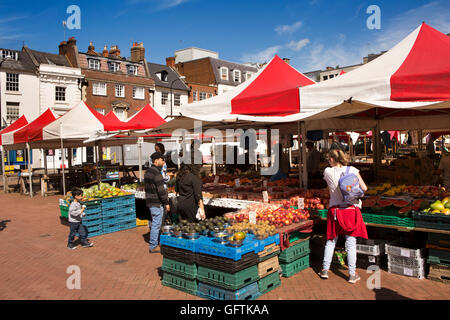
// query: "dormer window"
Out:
[113,66]
[164,76]
[223,73]
[94,64]
[9,53]
[237,76]
[248,75]
[132,69]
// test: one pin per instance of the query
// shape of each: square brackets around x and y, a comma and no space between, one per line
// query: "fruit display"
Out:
[134,186]
[105,191]
[283,217]
[387,190]
[439,207]
[206,225]
[261,230]
[238,236]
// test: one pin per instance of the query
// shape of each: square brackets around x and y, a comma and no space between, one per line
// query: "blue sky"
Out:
[312,33]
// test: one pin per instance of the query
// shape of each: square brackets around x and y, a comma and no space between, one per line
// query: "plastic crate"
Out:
[125,200]
[181,255]
[93,210]
[275,239]
[131,208]
[64,211]
[290,269]
[92,203]
[431,221]
[388,220]
[295,252]
[211,292]
[180,283]
[268,252]
[436,256]
[405,271]
[140,222]
[118,227]
[207,245]
[269,282]
[319,213]
[109,203]
[229,281]
[364,261]
[92,230]
[119,218]
[439,273]
[405,250]
[92,222]
[267,267]
[407,262]
[438,239]
[370,246]
[95,233]
[275,254]
[226,264]
[109,212]
[185,270]
[292,234]
[181,243]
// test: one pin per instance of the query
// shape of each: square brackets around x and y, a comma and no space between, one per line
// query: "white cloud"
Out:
[288,28]
[298,45]
[261,56]
[160,4]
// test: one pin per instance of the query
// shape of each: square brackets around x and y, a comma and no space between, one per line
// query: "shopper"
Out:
[444,169]
[159,147]
[344,218]
[188,186]
[156,198]
[283,165]
[76,214]
[312,160]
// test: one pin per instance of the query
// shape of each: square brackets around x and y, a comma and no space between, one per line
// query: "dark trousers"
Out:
[81,229]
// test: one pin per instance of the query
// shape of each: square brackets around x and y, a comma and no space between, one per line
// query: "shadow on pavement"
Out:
[146,237]
[388,294]
[3,224]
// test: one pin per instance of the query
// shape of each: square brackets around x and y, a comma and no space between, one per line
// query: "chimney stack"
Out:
[91,49]
[105,52]
[170,62]
[63,48]
[71,42]
[137,52]
[114,51]
[287,60]
[329,68]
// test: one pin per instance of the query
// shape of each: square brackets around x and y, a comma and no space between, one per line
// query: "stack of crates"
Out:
[93,218]
[295,258]
[439,257]
[215,271]
[118,213]
[406,259]
[370,252]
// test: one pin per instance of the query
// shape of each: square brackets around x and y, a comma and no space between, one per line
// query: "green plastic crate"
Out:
[231,281]
[180,283]
[188,271]
[438,239]
[388,220]
[289,269]
[439,257]
[64,211]
[295,252]
[269,282]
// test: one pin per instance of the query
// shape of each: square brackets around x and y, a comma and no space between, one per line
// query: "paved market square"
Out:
[35,260]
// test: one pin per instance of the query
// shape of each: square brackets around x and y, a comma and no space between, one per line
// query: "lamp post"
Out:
[171,96]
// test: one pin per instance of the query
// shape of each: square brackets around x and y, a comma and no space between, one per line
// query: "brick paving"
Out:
[34,262]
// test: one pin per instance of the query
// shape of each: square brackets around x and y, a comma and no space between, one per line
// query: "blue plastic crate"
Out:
[118,227]
[207,291]
[93,210]
[265,242]
[92,229]
[109,212]
[109,203]
[94,234]
[119,218]
[125,200]
[181,243]
[131,208]
[207,245]
[92,222]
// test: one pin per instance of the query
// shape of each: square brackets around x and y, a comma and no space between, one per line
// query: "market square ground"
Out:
[34,262]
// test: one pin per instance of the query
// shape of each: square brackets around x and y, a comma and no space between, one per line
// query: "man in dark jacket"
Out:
[156,197]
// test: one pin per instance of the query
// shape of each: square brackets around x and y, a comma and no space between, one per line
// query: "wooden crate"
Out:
[439,273]
[267,267]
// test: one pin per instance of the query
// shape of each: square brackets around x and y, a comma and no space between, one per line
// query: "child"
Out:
[76,214]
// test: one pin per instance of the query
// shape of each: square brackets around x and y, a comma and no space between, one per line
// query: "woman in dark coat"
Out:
[188,186]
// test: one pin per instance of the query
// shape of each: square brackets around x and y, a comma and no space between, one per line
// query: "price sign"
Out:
[265,196]
[252,217]
[408,272]
[301,203]
[237,183]
[216,179]
[404,253]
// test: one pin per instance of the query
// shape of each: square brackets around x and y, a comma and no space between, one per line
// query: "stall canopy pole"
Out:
[29,170]
[420,134]
[304,165]
[300,180]
[123,156]
[140,140]
[3,170]
[62,159]
[214,154]
[97,170]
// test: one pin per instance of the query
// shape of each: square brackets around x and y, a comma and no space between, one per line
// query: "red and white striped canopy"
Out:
[32,131]
[272,91]
[16,125]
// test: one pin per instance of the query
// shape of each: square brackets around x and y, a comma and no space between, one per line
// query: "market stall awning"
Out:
[32,131]
[16,125]
[272,91]
[146,118]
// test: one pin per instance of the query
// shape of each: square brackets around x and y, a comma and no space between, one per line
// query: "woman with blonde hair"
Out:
[344,216]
